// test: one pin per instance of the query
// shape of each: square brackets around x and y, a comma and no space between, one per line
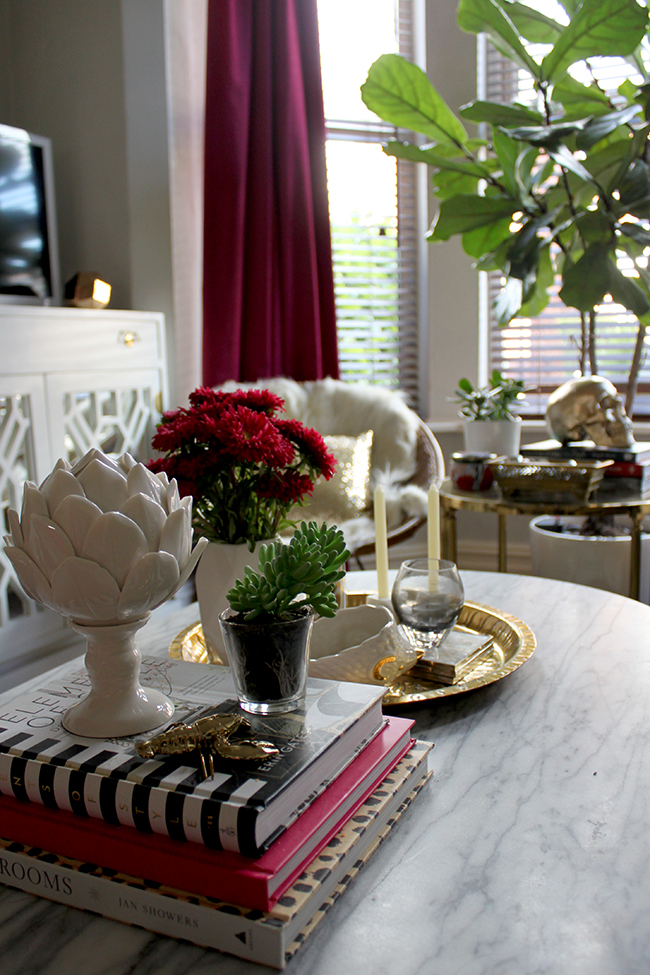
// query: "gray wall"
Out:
[90,75]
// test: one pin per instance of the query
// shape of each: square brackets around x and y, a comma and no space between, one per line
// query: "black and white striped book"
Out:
[242,808]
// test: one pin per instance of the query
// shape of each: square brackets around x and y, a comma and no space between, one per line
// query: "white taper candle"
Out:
[381,543]
[433,523]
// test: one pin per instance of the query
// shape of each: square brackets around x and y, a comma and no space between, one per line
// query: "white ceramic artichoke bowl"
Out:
[104,543]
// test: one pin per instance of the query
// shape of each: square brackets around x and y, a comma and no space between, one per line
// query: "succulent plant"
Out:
[102,541]
[302,573]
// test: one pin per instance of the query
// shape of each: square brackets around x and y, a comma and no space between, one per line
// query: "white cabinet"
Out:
[70,379]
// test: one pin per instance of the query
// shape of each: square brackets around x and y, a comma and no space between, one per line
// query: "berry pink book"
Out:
[253,883]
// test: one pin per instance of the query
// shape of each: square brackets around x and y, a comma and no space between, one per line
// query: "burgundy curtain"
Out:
[268,287]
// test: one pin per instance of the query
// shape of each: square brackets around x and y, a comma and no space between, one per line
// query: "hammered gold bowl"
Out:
[550,481]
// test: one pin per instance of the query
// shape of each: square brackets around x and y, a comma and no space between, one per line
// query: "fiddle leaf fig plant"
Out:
[556,191]
[291,577]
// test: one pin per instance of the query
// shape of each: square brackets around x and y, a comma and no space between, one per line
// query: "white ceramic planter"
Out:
[219,567]
[501,437]
[603,563]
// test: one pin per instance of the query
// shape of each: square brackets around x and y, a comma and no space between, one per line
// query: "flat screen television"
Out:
[29,265]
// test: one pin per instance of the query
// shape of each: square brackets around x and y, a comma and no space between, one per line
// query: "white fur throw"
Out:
[347,409]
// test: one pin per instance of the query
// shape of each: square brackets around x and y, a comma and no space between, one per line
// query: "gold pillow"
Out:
[346,494]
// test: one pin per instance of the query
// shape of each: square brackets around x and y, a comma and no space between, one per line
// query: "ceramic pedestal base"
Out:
[117,705]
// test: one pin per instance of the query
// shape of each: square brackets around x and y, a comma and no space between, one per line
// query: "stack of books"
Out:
[247,861]
[627,475]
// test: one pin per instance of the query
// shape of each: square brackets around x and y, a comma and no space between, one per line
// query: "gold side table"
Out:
[452,501]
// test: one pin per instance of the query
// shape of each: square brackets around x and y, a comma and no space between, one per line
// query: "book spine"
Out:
[235,932]
[621,469]
[120,802]
[617,454]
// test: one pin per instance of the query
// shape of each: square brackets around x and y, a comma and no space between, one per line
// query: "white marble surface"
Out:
[527,854]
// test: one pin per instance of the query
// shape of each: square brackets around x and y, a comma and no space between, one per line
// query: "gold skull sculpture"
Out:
[589,408]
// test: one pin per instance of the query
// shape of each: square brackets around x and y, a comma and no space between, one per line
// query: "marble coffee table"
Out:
[528,852]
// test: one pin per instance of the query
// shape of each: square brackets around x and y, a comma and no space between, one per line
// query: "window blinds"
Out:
[375,254]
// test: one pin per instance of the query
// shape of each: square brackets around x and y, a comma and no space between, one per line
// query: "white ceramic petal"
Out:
[33,504]
[48,545]
[148,584]
[177,536]
[162,477]
[105,486]
[126,462]
[58,486]
[61,465]
[142,481]
[85,591]
[189,566]
[149,516]
[172,497]
[116,543]
[93,454]
[75,515]
[31,578]
[14,528]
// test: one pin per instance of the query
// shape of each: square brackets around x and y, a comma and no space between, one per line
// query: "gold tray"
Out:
[514,643]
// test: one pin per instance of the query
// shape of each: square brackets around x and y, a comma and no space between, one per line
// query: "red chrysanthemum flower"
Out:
[205,396]
[288,487]
[250,436]
[311,444]
[260,400]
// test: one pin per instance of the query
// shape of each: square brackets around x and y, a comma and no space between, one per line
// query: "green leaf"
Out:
[636,232]
[627,292]
[486,239]
[496,260]
[463,213]
[508,301]
[544,281]
[598,27]
[568,161]
[399,92]
[497,114]
[584,284]
[526,239]
[547,135]
[594,226]
[596,274]
[597,128]
[507,151]
[605,162]
[432,158]
[487,16]
[580,100]
[635,185]
[532,24]
[447,183]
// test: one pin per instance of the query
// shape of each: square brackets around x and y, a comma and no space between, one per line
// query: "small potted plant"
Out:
[267,630]
[490,424]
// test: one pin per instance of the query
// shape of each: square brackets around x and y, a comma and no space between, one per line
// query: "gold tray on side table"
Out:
[514,643]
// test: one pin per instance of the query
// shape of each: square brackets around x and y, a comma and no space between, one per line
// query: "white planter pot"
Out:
[218,569]
[501,437]
[603,563]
